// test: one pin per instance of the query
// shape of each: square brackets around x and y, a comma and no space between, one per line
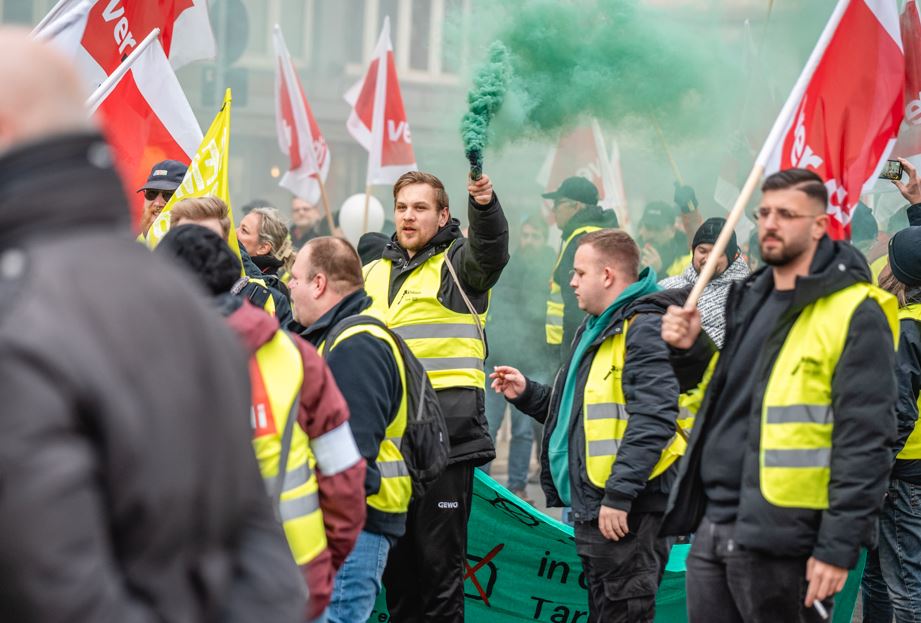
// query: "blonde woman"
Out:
[264,235]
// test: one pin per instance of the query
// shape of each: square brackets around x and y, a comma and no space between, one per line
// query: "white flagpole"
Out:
[49,28]
[92,103]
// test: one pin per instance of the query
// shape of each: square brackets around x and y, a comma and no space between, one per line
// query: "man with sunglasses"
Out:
[576,211]
[789,457]
[165,177]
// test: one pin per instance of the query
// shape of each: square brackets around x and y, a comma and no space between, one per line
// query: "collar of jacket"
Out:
[439,242]
[590,215]
[59,183]
[737,270]
[353,304]
[267,264]
[836,265]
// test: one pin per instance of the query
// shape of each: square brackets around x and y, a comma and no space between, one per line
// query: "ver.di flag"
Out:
[299,135]
[844,113]
[207,175]
[378,120]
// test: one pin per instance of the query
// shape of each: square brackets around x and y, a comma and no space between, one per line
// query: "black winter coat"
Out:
[130,491]
[651,392]
[863,399]
[908,374]
[478,260]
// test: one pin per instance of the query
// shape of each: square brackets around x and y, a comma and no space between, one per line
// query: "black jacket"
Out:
[908,374]
[572,315]
[257,294]
[369,379]
[863,399]
[651,392]
[478,260]
[130,491]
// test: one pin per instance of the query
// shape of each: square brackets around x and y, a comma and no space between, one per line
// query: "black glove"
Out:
[914,215]
[685,198]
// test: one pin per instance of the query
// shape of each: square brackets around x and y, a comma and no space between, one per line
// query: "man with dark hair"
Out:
[319,505]
[576,210]
[791,450]
[730,267]
[610,427]
[431,286]
[129,489]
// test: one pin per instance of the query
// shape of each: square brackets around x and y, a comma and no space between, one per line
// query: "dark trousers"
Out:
[623,576]
[424,576]
[729,584]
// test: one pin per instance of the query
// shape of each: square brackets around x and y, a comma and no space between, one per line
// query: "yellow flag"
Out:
[207,175]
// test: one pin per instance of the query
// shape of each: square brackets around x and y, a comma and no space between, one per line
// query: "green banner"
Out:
[522,566]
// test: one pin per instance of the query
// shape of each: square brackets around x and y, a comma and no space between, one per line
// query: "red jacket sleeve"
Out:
[340,470]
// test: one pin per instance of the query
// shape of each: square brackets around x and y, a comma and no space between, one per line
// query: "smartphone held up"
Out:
[891,171]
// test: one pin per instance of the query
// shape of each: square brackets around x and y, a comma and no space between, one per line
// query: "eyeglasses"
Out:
[783,214]
[560,203]
[150,194]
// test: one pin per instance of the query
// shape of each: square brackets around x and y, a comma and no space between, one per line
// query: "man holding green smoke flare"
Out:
[431,286]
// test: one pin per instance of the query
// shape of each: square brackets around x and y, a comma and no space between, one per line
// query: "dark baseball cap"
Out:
[165,175]
[657,215]
[575,188]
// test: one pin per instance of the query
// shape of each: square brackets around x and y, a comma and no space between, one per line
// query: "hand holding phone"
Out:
[891,171]
[911,190]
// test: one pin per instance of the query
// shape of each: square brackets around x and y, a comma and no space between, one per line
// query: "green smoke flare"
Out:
[484,100]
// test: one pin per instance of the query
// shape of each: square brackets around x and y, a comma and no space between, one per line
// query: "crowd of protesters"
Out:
[775,420]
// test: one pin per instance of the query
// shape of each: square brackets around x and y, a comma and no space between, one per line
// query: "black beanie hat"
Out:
[205,253]
[710,231]
[905,256]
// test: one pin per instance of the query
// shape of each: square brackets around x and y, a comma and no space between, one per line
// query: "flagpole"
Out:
[94,100]
[780,125]
[668,152]
[54,28]
[325,199]
[49,16]
[364,221]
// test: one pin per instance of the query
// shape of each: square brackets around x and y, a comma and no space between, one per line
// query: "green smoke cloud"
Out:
[484,100]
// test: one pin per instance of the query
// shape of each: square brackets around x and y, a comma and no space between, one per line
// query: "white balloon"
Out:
[352,217]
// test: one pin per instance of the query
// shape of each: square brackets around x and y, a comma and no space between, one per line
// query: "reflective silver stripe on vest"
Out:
[800,414]
[293,480]
[604,447]
[397,441]
[392,469]
[441,331]
[437,364]
[818,457]
[554,320]
[556,297]
[300,506]
[606,411]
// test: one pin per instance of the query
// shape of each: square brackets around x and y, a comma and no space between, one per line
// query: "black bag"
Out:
[425,446]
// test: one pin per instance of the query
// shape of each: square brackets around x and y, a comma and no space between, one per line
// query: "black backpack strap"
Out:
[347,323]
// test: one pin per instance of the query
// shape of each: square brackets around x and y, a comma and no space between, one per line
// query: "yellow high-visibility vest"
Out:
[690,401]
[604,413]
[679,265]
[912,449]
[396,484]
[277,374]
[554,324]
[447,343]
[797,419]
[877,267]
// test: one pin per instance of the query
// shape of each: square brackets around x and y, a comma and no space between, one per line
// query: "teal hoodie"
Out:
[558,450]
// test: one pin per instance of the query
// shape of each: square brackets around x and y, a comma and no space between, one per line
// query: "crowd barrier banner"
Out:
[522,566]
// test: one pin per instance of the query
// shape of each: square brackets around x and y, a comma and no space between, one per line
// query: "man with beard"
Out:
[516,338]
[789,457]
[730,267]
[431,286]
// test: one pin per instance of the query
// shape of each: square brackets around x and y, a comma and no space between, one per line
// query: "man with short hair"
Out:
[790,454]
[431,286]
[306,222]
[129,489]
[609,427]
[576,211]
[731,267]
[165,177]
[326,290]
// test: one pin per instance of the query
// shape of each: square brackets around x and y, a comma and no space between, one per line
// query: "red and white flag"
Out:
[842,118]
[582,152]
[909,143]
[145,116]
[298,133]
[378,119]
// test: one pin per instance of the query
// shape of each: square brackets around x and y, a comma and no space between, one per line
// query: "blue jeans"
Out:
[519,451]
[359,580]
[892,579]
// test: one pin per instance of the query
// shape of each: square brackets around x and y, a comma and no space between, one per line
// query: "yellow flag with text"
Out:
[207,175]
